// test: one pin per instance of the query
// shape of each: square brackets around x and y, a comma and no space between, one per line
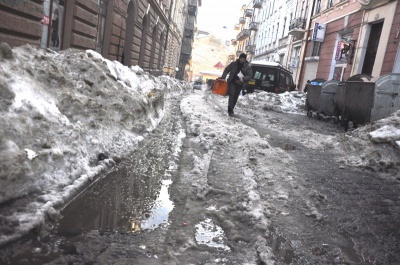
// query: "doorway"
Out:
[52,24]
[372,48]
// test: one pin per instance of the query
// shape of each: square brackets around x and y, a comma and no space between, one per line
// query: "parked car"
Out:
[197,85]
[270,77]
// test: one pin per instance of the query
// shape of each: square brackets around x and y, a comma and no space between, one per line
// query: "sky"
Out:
[214,15]
[60,110]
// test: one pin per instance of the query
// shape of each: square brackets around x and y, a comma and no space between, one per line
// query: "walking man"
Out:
[239,72]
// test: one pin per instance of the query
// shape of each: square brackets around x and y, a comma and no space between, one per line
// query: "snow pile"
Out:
[375,145]
[64,118]
[288,102]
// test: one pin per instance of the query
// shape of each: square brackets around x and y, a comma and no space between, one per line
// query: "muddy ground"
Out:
[262,196]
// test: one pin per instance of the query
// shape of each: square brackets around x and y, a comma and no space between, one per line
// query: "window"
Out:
[282,80]
[316,48]
[284,26]
[330,3]
[281,57]
[317,7]
[101,25]
[338,73]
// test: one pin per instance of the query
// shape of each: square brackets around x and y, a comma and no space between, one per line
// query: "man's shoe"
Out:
[230,112]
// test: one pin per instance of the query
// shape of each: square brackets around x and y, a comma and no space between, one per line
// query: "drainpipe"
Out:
[305,47]
[168,29]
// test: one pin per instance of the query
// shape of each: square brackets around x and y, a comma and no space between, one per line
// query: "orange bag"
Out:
[220,87]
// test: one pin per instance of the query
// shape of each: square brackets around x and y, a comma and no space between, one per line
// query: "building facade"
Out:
[328,39]
[134,32]
[179,11]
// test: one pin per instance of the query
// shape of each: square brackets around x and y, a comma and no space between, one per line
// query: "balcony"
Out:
[186,46]
[257,3]
[297,27]
[192,7]
[244,34]
[248,13]
[253,26]
[185,58]
[189,33]
[242,20]
[371,4]
[192,10]
[250,48]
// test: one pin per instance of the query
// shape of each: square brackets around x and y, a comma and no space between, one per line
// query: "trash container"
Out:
[313,90]
[358,102]
[387,96]
[357,99]
[340,95]
[327,104]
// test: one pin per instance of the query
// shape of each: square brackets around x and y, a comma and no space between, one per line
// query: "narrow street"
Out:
[206,188]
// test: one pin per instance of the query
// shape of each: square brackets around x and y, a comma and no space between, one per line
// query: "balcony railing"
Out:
[186,46]
[242,20]
[257,3]
[297,27]
[185,57]
[192,7]
[189,33]
[253,26]
[248,13]
[192,10]
[244,34]
[297,23]
[250,48]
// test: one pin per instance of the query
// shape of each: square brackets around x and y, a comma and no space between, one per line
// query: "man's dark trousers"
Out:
[234,92]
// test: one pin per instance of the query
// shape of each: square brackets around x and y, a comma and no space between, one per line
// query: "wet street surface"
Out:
[160,207]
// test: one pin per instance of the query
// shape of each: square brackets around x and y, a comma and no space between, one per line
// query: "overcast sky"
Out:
[214,15]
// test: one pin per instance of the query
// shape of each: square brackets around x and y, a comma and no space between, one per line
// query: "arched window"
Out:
[130,28]
[161,55]
[142,53]
[153,47]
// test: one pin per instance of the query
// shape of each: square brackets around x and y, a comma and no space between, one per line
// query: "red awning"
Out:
[219,65]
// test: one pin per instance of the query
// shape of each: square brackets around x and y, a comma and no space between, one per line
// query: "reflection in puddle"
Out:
[161,208]
[207,233]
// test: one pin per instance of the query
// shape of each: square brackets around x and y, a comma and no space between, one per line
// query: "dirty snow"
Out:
[62,111]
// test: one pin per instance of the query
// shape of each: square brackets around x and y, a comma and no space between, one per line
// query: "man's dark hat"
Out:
[243,55]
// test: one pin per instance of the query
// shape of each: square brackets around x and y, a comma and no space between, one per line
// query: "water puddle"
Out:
[207,233]
[134,197]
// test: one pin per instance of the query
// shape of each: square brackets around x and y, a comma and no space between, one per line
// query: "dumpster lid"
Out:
[360,78]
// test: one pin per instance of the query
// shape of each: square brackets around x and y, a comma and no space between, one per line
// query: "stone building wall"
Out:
[133,32]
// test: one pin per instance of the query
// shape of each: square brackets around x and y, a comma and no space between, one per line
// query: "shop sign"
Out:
[319,32]
[45,20]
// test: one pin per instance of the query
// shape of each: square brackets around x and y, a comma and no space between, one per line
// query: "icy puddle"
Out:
[207,233]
